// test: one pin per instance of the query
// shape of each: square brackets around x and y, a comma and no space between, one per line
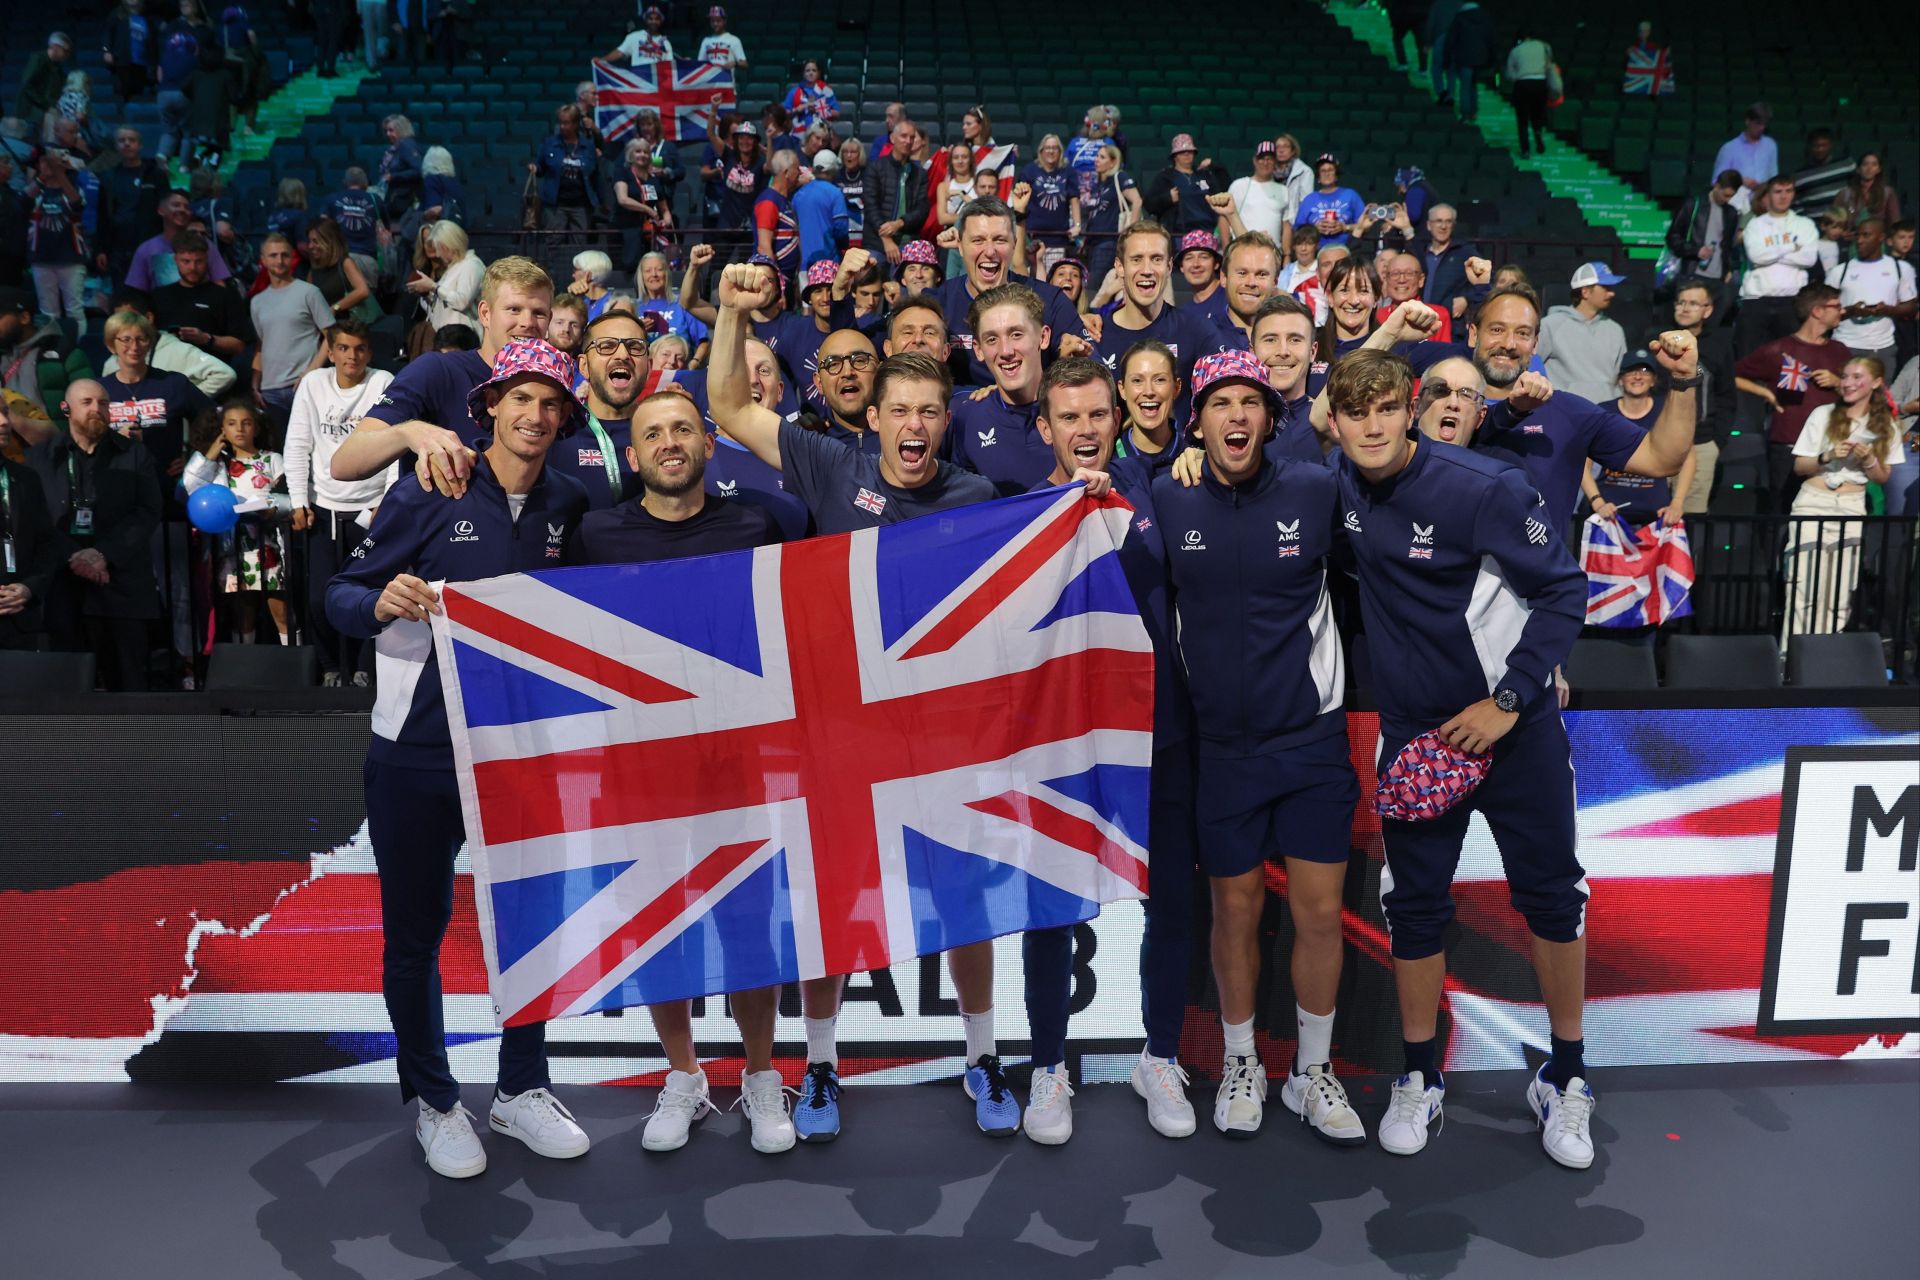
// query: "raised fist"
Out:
[1020,197]
[699,256]
[1222,204]
[1415,318]
[1677,353]
[949,238]
[747,286]
[1530,391]
[1479,270]
[856,261]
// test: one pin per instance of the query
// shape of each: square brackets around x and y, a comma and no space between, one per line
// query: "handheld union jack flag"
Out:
[717,774]
[1649,71]
[687,95]
[1794,376]
[1635,579]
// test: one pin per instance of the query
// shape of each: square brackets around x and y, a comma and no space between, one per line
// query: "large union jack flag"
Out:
[717,774]
[687,95]
[1649,71]
[1635,579]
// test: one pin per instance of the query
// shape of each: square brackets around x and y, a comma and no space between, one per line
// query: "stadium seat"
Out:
[1722,662]
[22,672]
[1611,665]
[1849,660]
[263,666]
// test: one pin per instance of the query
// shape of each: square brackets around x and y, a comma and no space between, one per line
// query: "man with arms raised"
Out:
[668,517]
[414,817]
[424,411]
[844,490]
[1466,670]
[1247,557]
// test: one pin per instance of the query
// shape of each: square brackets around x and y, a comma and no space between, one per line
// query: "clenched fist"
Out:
[1677,353]
[748,286]
[1414,318]
[856,261]
[1020,197]
[1530,391]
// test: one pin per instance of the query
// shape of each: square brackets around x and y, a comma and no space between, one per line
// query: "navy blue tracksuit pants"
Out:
[414,820]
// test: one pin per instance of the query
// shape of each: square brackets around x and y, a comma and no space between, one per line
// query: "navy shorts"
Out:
[1296,802]
[1528,802]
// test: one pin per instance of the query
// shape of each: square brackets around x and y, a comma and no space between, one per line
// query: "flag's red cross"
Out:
[832,753]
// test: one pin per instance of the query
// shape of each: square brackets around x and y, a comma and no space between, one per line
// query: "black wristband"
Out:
[1685,384]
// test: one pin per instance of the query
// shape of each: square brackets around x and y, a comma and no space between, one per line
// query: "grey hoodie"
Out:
[1582,356]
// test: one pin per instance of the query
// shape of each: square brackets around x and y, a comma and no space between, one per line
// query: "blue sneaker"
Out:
[816,1118]
[994,1106]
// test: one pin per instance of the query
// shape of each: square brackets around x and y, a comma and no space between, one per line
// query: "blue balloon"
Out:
[211,508]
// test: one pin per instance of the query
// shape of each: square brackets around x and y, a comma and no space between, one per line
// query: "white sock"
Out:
[1239,1038]
[1316,1038]
[821,1043]
[980,1042]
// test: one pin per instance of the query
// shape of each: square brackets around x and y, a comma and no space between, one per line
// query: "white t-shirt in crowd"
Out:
[1264,206]
[723,51]
[322,416]
[1813,442]
[1885,280]
[644,46]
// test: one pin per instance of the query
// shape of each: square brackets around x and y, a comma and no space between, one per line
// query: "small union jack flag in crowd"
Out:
[1649,71]
[1794,376]
[1635,579]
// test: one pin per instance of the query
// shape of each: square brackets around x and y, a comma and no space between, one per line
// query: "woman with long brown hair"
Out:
[1843,448]
[1867,194]
[332,270]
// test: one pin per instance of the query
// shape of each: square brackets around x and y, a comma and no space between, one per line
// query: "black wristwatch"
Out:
[1507,700]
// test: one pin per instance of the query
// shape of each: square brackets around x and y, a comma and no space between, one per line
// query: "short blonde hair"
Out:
[518,272]
[121,321]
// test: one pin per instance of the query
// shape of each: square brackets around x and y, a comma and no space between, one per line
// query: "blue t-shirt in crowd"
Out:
[1640,498]
[358,214]
[1345,203]
[1048,215]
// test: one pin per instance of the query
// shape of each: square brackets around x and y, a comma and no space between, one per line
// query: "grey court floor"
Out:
[1755,1171]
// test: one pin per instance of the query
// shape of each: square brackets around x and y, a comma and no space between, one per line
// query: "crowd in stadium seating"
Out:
[221,347]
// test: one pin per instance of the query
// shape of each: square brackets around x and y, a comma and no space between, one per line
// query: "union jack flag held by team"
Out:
[687,95]
[1649,71]
[722,773]
[1635,579]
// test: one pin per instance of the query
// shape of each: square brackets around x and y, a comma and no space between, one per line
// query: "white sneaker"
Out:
[453,1148]
[1163,1083]
[1564,1115]
[1049,1118]
[1241,1102]
[764,1095]
[1413,1106]
[538,1119]
[681,1102]
[1320,1100]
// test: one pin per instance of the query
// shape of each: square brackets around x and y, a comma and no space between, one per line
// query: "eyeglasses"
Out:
[860,360]
[612,346]
[1440,391]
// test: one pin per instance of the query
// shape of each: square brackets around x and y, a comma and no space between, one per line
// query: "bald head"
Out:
[843,373]
[1451,401]
[86,407]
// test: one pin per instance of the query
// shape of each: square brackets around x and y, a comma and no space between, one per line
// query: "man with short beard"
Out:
[200,313]
[1145,261]
[103,493]
[615,361]
[1253,267]
[986,231]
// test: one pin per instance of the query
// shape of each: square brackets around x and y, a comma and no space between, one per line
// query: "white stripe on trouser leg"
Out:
[1386,872]
[1586,892]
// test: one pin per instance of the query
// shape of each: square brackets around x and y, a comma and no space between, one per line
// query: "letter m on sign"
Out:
[1903,819]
